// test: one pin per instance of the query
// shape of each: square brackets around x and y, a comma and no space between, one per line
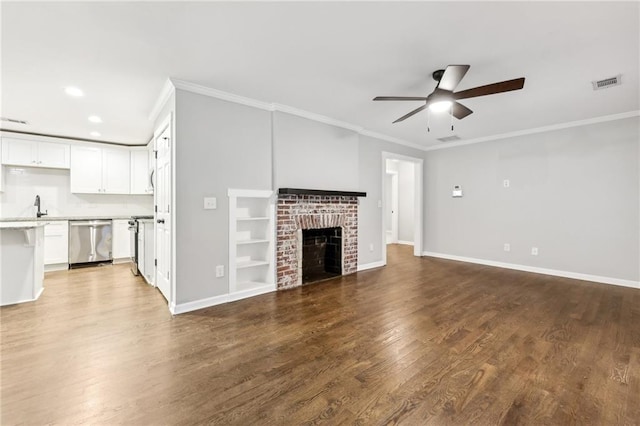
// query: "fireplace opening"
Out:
[321,254]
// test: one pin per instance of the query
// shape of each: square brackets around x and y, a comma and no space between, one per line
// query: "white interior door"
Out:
[163,216]
[394,208]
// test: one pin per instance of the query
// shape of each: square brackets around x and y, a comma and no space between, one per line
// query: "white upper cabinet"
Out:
[22,152]
[140,172]
[100,170]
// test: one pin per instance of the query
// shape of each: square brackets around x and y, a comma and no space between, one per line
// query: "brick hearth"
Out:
[298,212]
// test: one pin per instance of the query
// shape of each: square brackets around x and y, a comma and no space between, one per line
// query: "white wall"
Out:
[406,198]
[22,184]
[574,194]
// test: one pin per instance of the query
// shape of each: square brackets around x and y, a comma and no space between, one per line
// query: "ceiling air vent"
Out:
[12,120]
[449,138]
[607,82]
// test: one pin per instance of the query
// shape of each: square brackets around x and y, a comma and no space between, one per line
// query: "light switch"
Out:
[380,204]
[210,203]
[219,271]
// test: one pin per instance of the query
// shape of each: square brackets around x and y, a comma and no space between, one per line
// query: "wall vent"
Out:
[13,120]
[449,138]
[607,82]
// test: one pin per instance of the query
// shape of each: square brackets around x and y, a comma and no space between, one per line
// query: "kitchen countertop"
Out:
[21,224]
[59,218]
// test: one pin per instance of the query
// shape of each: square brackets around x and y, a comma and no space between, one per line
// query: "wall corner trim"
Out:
[371,265]
[163,97]
[537,270]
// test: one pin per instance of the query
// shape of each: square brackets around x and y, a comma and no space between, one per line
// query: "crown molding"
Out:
[391,139]
[316,117]
[163,97]
[219,94]
[559,126]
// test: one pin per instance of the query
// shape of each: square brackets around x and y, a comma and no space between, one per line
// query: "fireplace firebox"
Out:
[321,254]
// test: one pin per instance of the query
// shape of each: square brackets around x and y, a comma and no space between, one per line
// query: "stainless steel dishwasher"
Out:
[89,242]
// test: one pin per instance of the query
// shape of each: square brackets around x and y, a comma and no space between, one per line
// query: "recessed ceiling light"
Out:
[95,119]
[95,134]
[73,91]
[440,106]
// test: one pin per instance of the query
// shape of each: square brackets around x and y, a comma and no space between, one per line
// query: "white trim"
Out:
[219,94]
[218,300]
[535,130]
[316,117]
[121,260]
[198,304]
[537,270]
[56,267]
[371,265]
[25,300]
[167,90]
[391,139]
[406,243]
[238,295]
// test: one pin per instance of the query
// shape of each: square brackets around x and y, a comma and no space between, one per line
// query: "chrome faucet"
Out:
[37,204]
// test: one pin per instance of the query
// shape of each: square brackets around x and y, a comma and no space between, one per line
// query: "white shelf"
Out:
[252,241]
[251,263]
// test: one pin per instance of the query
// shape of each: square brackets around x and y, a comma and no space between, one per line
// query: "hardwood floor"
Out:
[421,341]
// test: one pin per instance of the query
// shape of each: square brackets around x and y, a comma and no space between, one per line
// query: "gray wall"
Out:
[313,155]
[406,198]
[219,145]
[574,194]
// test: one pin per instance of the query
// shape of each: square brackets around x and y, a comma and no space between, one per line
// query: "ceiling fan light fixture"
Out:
[440,106]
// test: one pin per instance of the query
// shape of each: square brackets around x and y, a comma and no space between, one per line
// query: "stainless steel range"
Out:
[134,227]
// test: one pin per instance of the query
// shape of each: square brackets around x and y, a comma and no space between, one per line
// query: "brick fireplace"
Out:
[336,213]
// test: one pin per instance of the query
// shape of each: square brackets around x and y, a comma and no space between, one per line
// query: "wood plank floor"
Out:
[421,341]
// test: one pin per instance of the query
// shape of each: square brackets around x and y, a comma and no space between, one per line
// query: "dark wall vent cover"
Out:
[607,82]
[449,138]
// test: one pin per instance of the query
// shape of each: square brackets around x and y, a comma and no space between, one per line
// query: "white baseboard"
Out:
[121,260]
[56,267]
[371,265]
[406,243]
[537,270]
[218,300]
[24,300]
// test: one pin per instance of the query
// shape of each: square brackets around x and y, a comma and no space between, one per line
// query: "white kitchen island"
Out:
[21,261]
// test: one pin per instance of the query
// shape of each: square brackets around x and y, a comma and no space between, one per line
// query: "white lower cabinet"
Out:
[56,244]
[142,267]
[121,239]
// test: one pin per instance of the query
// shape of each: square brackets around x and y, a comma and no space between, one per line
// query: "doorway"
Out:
[401,202]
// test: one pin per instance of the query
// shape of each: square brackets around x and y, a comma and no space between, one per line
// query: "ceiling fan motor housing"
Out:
[437,75]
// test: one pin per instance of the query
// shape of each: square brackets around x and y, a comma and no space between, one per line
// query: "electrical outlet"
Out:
[370,247]
[379,204]
[507,247]
[534,251]
[219,271]
[210,203]
[506,183]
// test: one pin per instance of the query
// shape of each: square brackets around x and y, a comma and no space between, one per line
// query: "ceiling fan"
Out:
[443,97]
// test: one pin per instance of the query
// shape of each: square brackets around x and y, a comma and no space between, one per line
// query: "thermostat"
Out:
[457,191]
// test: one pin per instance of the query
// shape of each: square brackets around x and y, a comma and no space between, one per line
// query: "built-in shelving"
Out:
[251,242]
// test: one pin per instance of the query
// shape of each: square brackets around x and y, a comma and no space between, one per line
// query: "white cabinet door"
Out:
[18,152]
[56,243]
[115,171]
[139,172]
[53,155]
[86,170]
[121,239]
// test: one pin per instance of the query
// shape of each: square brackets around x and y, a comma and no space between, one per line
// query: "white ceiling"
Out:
[326,58]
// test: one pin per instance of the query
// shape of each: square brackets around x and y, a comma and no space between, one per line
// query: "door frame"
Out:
[167,122]
[418,197]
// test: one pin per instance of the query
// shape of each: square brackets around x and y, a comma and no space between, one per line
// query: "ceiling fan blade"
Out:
[490,89]
[400,98]
[460,111]
[415,111]
[452,76]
